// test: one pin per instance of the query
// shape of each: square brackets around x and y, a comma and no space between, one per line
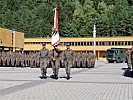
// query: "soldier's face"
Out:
[68,47]
[43,46]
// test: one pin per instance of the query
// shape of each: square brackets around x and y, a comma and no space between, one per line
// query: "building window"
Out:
[106,43]
[112,43]
[85,43]
[72,43]
[115,43]
[91,43]
[109,43]
[88,43]
[82,44]
[97,43]
[103,43]
[78,43]
[129,43]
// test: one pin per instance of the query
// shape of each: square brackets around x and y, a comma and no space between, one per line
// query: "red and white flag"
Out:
[55,33]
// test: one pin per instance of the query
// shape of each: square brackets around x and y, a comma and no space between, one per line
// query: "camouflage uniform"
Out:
[78,59]
[93,60]
[35,59]
[44,59]
[86,60]
[31,59]
[132,58]
[68,60]
[0,59]
[27,60]
[18,56]
[38,62]
[55,61]
[8,58]
[13,59]
[89,60]
[128,56]
[4,58]
[22,60]
[83,60]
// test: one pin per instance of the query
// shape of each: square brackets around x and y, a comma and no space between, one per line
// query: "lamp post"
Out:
[94,39]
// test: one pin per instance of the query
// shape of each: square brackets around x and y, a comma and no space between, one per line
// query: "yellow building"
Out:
[11,40]
[81,44]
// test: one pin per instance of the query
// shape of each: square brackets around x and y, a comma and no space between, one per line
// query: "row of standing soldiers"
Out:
[129,56]
[18,59]
[45,58]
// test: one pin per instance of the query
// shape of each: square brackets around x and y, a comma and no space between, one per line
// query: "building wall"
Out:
[81,44]
[18,40]
[10,40]
[5,37]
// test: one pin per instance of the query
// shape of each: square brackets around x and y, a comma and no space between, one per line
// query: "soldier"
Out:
[132,57]
[83,60]
[0,58]
[89,60]
[8,58]
[55,61]
[86,59]
[44,60]
[78,59]
[93,60]
[128,56]
[22,59]
[68,60]
[32,59]
[4,58]
[38,63]
[13,59]
[18,56]
[35,59]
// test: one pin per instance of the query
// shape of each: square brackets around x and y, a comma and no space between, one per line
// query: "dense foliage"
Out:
[76,17]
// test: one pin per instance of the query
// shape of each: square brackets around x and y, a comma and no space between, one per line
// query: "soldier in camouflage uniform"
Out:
[0,58]
[55,56]
[132,57]
[89,60]
[128,56]
[31,59]
[8,58]
[68,60]
[83,60]
[18,56]
[27,59]
[92,60]
[38,61]
[78,59]
[44,60]
[4,58]
[22,60]
[13,59]
[86,59]
[35,59]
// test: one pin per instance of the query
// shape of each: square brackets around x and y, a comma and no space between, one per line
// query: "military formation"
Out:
[45,58]
[19,59]
[129,57]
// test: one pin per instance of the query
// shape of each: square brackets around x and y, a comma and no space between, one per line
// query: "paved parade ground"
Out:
[104,82]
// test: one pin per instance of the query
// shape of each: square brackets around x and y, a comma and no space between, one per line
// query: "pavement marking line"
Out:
[33,83]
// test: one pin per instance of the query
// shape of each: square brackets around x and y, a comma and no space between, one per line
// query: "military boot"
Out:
[44,76]
[56,76]
[68,76]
